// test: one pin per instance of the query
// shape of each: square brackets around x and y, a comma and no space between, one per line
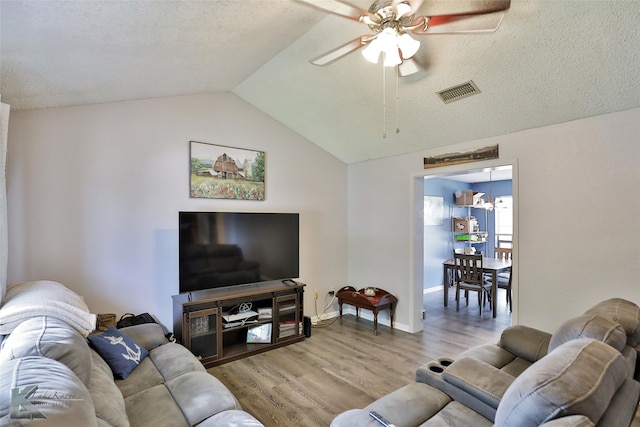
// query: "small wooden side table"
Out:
[379,301]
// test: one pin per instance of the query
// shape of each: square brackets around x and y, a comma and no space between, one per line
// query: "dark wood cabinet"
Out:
[221,325]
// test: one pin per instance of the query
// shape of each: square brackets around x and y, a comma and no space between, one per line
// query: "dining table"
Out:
[493,266]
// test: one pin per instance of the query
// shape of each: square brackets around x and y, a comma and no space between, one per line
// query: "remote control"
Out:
[379,418]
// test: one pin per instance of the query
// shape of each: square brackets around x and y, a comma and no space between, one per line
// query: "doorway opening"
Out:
[495,227]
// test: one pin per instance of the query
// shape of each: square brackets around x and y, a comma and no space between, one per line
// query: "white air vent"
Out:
[458,92]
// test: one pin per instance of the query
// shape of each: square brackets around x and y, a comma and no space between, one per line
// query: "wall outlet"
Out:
[332,292]
[315,294]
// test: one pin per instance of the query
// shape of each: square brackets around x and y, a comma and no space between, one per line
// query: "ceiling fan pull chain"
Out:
[384,101]
[397,99]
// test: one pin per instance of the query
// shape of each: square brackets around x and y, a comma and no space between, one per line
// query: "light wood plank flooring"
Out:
[344,366]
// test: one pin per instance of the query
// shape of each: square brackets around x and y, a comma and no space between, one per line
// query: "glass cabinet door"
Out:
[288,317]
[201,332]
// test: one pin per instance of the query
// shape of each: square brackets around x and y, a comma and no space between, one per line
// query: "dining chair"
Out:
[503,253]
[469,276]
[504,279]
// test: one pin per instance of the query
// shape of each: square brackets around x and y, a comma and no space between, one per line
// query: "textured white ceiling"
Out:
[551,61]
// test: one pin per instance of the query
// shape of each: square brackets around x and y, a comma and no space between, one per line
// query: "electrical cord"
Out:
[326,321]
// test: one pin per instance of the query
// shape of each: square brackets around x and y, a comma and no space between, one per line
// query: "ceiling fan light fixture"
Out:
[392,58]
[372,51]
[392,45]
[408,45]
[402,9]
[388,39]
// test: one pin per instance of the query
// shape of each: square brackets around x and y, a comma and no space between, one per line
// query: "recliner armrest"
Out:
[525,342]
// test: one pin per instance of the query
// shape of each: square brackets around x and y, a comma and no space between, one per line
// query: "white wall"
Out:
[579,199]
[94,194]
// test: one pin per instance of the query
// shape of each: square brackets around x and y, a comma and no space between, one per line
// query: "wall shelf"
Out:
[465,233]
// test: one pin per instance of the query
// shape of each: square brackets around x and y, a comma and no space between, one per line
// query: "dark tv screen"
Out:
[220,249]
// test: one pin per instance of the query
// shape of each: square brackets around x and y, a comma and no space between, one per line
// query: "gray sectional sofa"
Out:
[584,374]
[50,375]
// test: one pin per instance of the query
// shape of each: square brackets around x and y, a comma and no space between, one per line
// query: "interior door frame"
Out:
[417,231]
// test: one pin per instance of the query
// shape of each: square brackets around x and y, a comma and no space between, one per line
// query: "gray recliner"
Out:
[472,389]
[481,375]
[583,382]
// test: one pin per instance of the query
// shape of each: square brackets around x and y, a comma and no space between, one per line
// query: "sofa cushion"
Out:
[45,298]
[200,395]
[456,414]
[579,377]
[121,353]
[107,399]
[481,380]
[163,363]
[147,335]
[626,313]
[145,376]
[410,405]
[621,411]
[47,389]
[590,326]
[154,407]
[49,337]
[173,359]
[489,353]
[497,356]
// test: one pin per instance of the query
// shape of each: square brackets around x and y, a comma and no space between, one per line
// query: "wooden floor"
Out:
[344,366]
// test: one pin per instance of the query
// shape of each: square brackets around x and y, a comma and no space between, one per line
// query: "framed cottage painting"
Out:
[221,172]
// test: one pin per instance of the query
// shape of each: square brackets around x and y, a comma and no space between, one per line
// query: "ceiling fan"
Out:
[391,25]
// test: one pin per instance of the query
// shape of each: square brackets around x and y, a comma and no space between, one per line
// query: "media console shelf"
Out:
[221,325]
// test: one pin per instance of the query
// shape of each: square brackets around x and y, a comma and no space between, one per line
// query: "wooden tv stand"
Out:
[208,323]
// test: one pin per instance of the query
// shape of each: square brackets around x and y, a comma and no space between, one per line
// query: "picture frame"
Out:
[486,153]
[223,172]
[433,210]
[265,313]
[259,334]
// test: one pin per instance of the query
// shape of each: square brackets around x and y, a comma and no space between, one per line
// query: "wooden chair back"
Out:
[469,269]
[502,253]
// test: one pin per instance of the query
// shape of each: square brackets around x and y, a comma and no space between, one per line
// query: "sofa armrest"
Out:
[525,342]
[148,335]
[481,380]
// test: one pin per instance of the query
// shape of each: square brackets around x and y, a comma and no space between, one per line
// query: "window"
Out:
[504,222]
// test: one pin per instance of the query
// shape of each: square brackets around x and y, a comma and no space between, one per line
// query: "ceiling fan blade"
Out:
[483,23]
[461,7]
[341,51]
[339,8]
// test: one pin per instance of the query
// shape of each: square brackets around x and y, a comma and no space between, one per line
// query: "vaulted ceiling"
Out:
[550,61]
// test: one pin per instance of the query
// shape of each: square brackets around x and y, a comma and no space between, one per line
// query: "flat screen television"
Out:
[221,249]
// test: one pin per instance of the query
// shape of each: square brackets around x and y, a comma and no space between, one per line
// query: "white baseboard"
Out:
[383,317]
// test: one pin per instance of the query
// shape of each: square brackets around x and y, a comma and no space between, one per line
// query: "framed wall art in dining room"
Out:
[222,172]
[433,210]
